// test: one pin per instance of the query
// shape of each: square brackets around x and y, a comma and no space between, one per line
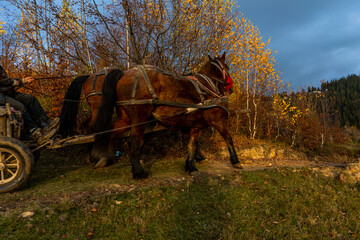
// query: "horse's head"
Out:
[217,69]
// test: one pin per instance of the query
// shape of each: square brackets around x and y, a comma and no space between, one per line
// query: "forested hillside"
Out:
[343,99]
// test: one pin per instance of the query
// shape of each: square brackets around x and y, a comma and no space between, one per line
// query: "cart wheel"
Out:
[16,164]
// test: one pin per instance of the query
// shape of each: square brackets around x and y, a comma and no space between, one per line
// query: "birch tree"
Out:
[253,65]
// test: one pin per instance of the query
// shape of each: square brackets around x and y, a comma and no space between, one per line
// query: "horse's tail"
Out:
[104,117]
[69,110]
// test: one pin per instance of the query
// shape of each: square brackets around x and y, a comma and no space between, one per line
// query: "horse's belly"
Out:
[180,117]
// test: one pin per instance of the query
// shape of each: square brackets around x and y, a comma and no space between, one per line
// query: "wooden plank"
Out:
[82,139]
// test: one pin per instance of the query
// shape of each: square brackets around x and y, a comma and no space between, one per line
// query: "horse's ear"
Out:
[223,57]
[210,58]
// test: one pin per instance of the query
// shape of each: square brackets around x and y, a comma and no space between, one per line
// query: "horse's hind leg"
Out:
[87,125]
[135,144]
[104,152]
[190,161]
[198,155]
[109,158]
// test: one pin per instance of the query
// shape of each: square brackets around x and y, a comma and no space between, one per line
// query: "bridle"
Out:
[221,68]
[226,76]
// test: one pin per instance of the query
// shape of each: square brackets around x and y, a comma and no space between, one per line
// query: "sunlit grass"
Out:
[278,203]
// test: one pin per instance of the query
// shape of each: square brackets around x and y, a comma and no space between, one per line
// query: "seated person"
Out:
[36,122]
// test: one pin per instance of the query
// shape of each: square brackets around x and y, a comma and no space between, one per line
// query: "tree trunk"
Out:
[248,101]
[85,37]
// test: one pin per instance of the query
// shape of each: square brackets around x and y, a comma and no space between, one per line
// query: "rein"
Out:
[204,87]
[57,77]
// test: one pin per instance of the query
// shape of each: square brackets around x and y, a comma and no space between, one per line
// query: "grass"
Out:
[79,203]
[72,201]
[342,153]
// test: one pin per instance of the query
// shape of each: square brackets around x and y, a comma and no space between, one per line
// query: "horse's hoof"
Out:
[141,175]
[87,159]
[237,166]
[103,162]
[196,174]
[191,169]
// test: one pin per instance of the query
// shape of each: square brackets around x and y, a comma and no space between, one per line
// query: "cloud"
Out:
[315,40]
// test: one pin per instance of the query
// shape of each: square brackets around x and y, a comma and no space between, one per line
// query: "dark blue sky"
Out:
[315,39]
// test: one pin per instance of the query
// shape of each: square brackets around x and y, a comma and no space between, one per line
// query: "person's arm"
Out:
[6,81]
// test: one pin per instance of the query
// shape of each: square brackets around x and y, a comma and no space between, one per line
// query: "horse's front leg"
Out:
[220,124]
[198,154]
[135,144]
[190,161]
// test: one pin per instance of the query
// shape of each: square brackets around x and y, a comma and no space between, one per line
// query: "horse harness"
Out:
[93,92]
[200,88]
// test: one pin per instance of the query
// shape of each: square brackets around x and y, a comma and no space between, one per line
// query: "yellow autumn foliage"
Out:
[2,31]
[174,35]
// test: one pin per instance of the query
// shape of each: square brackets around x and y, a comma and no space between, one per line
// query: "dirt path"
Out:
[80,184]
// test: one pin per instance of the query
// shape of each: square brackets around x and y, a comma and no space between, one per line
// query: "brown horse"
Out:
[144,93]
[91,86]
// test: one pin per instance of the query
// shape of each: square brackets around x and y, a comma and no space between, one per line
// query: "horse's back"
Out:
[166,86]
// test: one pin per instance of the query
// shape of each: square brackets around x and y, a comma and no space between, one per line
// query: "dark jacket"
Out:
[6,83]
